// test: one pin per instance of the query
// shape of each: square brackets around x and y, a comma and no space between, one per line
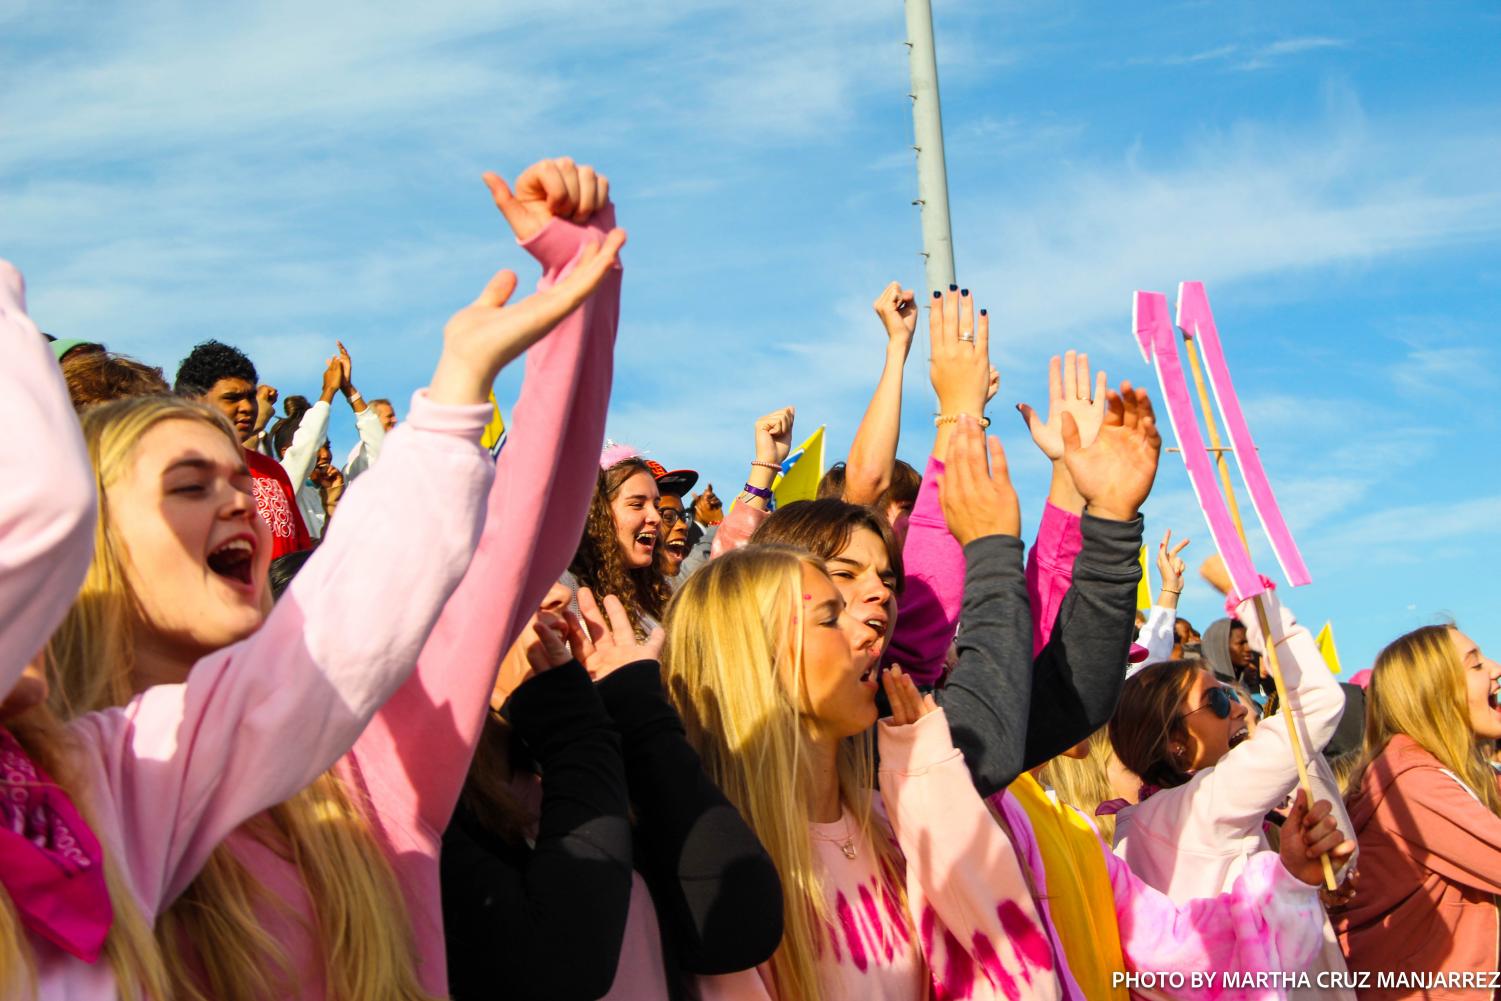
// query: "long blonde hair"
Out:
[211,941]
[129,947]
[1417,688]
[734,631]
[1084,783]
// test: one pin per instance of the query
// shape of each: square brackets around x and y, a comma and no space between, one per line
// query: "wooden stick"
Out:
[1274,666]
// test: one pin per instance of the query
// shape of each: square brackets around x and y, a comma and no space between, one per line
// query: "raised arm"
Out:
[867,473]
[419,746]
[47,508]
[773,444]
[313,429]
[257,721]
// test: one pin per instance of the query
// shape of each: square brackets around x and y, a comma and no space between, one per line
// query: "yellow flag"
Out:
[1327,649]
[1144,586]
[496,429]
[801,472]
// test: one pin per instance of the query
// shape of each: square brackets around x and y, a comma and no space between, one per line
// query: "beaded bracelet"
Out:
[943,419]
[774,466]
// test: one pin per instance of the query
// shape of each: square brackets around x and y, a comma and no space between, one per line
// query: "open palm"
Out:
[1068,393]
[1115,473]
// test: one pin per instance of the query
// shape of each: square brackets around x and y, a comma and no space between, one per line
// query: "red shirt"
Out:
[277,505]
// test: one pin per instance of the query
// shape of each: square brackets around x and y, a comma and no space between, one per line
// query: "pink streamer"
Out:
[1152,326]
[1198,322]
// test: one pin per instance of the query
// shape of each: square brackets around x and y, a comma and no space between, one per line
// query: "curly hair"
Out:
[209,362]
[599,565]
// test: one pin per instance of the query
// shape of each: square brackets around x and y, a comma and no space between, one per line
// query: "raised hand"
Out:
[1068,393]
[604,645]
[1308,834]
[774,435]
[333,377]
[547,190]
[346,368]
[708,509]
[1213,570]
[1115,473]
[977,501]
[907,704]
[1170,565]
[959,366]
[897,308]
[485,336]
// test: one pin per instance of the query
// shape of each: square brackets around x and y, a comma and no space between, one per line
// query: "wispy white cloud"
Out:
[1243,56]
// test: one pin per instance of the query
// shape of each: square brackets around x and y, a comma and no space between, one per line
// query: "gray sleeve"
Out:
[987,696]
[1077,677]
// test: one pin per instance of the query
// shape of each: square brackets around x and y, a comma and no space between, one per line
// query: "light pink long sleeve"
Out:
[177,769]
[738,526]
[977,923]
[415,754]
[47,503]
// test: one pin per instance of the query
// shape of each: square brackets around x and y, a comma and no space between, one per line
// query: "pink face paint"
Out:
[1195,318]
[990,965]
[1151,320]
[852,936]
[1026,938]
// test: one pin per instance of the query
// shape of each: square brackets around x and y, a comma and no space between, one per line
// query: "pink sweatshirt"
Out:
[410,763]
[177,769]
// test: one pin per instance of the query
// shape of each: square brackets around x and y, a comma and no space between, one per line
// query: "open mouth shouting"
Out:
[1495,699]
[646,541]
[676,548]
[233,560]
[1240,733]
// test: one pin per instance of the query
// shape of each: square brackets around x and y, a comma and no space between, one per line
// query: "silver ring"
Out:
[969,340]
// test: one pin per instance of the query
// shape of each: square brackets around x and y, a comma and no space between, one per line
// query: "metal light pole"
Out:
[927,129]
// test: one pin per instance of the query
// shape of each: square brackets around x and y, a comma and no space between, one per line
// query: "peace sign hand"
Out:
[604,645]
[1170,565]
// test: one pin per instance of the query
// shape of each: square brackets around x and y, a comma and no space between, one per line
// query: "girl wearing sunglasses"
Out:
[1208,781]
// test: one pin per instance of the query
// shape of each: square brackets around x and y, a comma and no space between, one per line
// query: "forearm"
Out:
[1078,675]
[986,695]
[868,471]
[702,859]
[1061,490]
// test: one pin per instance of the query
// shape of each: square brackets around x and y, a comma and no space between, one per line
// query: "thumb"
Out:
[1298,815]
[1071,441]
[505,200]
[498,289]
[1029,416]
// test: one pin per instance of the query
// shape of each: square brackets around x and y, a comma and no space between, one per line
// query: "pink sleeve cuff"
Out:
[461,420]
[915,747]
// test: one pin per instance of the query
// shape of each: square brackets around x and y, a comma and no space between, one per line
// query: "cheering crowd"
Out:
[430,723]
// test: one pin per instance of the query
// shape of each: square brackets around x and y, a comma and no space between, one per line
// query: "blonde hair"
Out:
[1418,688]
[734,633]
[1084,783]
[211,940]
[129,948]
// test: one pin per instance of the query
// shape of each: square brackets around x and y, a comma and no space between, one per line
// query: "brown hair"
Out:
[598,563]
[101,376]
[1147,721]
[823,527]
[905,483]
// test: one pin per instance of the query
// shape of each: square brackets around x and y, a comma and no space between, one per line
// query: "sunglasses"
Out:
[1218,701]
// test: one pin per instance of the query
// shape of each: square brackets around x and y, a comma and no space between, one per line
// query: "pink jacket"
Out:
[1430,876]
[177,769]
[410,763]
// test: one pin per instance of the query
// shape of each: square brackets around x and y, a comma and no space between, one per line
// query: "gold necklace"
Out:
[846,844]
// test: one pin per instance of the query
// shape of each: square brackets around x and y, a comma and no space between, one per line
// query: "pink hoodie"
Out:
[411,761]
[177,769]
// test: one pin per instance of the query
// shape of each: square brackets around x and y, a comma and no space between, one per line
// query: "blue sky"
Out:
[280,175]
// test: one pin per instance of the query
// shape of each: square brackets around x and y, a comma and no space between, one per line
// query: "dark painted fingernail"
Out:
[964,291]
[984,312]
[937,294]
[953,288]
